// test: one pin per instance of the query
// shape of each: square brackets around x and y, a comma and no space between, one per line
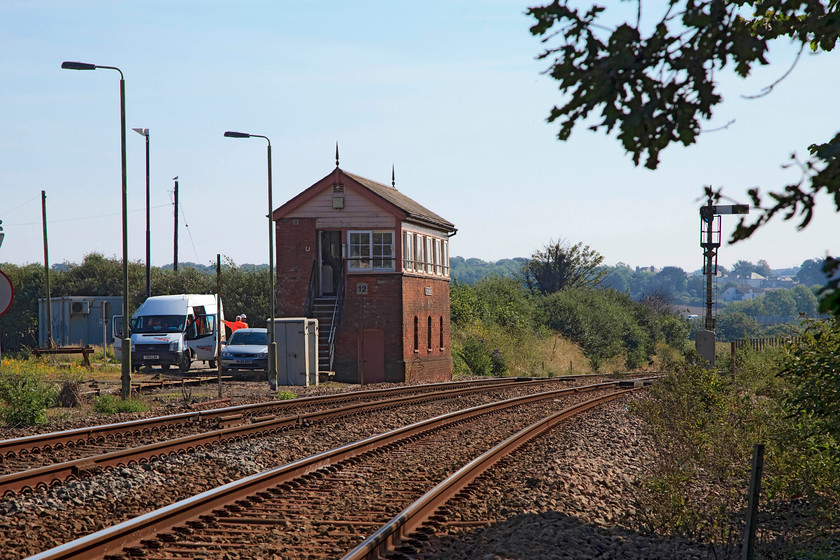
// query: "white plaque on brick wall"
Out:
[428,290]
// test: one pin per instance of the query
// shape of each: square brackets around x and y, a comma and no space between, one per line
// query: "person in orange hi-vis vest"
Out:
[238,324]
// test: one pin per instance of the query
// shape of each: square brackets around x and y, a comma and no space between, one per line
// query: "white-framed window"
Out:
[446,258]
[383,250]
[418,252]
[370,250]
[437,255]
[429,265]
[408,250]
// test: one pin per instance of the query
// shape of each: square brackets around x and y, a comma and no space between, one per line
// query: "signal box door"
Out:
[371,356]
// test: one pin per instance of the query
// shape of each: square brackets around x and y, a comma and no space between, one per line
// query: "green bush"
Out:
[25,398]
[704,423]
[286,395]
[475,356]
[110,404]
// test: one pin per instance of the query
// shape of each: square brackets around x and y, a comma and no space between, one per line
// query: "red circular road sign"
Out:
[7,293]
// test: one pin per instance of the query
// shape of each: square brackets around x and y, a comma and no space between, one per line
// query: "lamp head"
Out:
[68,65]
[230,134]
[141,131]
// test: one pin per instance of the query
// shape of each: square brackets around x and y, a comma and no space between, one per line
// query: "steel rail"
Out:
[78,436]
[49,475]
[391,535]
[134,531]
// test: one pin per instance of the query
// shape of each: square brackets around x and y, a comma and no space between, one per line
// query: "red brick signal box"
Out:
[373,266]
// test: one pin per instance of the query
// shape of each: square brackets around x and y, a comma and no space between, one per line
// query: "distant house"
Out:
[776,282]
[651,269]
[373,266]
[741,293]
[755,280]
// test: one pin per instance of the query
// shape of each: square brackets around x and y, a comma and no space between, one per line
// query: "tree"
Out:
[618,278]
[806,301]
[743,269]
[561,265]
[657,88]
[779,303]
[732,326]
[811,274]
[670,279]
[763,267]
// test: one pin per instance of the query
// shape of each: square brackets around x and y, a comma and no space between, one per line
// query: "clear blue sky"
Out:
[450,93]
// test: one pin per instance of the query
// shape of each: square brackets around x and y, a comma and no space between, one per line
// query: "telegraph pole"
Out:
[48,299]
[175,260]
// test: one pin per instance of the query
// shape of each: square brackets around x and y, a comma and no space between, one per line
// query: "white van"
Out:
[172,331]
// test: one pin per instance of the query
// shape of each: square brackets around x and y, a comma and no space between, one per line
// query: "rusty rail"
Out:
[391,535]
[76,436]
[49,475]
[136,534]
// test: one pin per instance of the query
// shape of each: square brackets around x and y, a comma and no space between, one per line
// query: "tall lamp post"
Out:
[272,345]
[126,342]
[145,132]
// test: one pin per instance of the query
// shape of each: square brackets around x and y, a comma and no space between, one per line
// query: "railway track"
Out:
[407,531]
[41,461]
[323,505]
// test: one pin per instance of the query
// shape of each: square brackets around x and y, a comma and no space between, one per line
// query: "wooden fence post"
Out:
[732,359]
[748,548]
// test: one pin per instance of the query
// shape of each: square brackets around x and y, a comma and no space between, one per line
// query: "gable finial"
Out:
[393,179]
[336,154]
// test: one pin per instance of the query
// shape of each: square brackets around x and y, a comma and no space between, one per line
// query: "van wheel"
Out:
[184,366]
[212,364]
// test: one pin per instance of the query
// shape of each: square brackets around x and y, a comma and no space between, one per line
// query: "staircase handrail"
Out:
[309,306]
[336,315]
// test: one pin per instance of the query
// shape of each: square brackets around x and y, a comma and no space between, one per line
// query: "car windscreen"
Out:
[249,338]
[152,324]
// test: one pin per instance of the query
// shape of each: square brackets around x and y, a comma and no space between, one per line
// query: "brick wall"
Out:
[296,246]
[425,298]
[371,301]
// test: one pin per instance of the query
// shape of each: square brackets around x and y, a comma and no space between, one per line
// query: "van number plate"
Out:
[151,357]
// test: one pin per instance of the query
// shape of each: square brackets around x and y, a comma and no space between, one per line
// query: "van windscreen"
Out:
[151,324]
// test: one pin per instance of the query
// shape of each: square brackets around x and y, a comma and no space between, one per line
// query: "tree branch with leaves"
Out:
[656,86]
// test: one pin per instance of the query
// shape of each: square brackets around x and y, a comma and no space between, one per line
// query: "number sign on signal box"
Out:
[7,293]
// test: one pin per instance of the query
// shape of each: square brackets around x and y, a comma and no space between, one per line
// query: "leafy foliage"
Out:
[812,369]
[704,426]
[562,265]
[470,271]
[110,404]
[25,398]
[656,83]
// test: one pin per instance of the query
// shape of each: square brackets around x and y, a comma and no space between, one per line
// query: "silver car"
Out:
[247,349]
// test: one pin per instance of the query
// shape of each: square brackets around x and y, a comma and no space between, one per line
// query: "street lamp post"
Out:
[145,132]
[126,342]
[272,345]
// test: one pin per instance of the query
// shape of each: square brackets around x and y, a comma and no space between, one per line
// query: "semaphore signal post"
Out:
[710,242]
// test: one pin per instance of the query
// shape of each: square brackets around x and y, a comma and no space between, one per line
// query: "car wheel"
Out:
[164,367]
[184,366]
